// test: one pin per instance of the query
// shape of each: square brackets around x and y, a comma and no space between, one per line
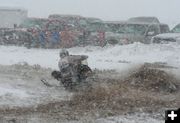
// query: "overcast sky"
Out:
[168,11]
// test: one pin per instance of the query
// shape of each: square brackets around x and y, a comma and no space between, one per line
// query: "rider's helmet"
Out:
[63,53]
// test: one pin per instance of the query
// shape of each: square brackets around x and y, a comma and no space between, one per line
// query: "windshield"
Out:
[30,23]
[97,26]
[176,29]
[128,28]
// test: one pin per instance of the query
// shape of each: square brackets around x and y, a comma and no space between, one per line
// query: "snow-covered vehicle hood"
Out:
[166,37]
[169,35]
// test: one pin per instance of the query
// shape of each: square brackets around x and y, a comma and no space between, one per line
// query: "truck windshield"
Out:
[176,29]
[29,23]
[128,28]
[96,26]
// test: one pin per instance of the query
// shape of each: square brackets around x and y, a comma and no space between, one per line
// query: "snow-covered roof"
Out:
[129,22]
[64,16]
[2,8]
[144,19]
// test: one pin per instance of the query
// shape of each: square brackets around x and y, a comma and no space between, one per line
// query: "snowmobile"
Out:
[79,80]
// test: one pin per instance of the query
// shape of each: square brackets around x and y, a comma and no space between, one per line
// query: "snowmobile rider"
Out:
[72,70]
[66,60]
[68,64]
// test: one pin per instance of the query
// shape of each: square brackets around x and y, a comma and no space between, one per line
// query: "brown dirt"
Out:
[152,79]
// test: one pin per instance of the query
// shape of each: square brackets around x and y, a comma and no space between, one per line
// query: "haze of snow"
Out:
[120,58]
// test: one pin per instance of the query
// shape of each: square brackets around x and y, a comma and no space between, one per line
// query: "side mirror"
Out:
[152,33]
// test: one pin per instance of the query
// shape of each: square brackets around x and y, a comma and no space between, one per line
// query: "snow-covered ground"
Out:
[16,89]
[22,86]
[135,118]
[119,58]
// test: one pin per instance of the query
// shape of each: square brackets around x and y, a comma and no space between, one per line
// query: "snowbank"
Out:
[109,57]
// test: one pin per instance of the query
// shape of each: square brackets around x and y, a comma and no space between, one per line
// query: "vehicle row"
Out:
[69,30]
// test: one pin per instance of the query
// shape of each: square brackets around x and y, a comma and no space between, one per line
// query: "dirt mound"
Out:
[145,89]
[152,79]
